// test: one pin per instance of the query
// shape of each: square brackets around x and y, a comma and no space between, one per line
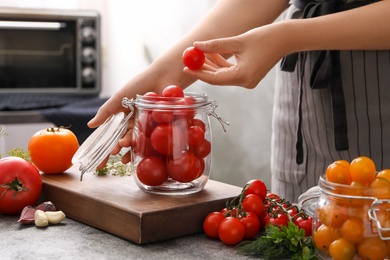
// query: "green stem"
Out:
[15,185]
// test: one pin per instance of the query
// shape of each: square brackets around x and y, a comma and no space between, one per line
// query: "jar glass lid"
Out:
[100,143]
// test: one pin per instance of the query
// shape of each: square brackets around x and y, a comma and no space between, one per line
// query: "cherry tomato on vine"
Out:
[231,231]
[211,223]
[52,149]
[304,223]
[256,187]
[193,58]
[253,203]
[20,185]
[252,225]
[278,220]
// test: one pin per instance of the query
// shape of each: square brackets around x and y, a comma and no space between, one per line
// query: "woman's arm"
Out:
[226,18]
[258,50]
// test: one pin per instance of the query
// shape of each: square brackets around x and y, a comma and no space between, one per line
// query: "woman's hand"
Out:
[255,53]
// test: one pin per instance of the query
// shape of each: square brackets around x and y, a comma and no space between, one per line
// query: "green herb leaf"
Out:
[281,243]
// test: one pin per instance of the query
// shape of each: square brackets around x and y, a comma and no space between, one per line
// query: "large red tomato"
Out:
[52,149]
[20,185]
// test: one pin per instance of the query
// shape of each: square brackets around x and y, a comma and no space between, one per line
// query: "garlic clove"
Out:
[46,206]
[27,215]
[40,219]
[55,217]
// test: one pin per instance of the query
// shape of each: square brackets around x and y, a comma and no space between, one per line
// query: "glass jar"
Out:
[356,219]
[171,150]
[171,142]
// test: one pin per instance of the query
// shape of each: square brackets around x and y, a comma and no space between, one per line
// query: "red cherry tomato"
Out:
[202,149]
[185,168]
[305,223]
[279,220]
[152,171]
[172,91]
[256,187]
[211,223]
[162,115]
[200,123]
[253,203]
[20,185]
[167,139]
[195,135]
[252,225]
[193,58]
[231,231]
[145,122]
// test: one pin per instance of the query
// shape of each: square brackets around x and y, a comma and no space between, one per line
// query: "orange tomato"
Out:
[363,170]
[332,215]
[379,188]
[322,237]
[353,230]
[52,149]
[385,174]
[338,172]
[342,249]
[372,248]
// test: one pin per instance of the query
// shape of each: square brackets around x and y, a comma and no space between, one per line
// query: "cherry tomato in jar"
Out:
[172,91]
[152,171]
[20,185]
[231,231]
[185,168]
[211,223]
[167,139]
[256,187]
[202,149]
[193,58]
[52,149]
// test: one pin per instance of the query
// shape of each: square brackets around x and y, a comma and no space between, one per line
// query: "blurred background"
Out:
[131,27]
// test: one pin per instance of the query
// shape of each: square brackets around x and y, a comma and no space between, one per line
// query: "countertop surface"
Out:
[73,240]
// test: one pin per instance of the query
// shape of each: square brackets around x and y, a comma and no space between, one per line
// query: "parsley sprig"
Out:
[281,243]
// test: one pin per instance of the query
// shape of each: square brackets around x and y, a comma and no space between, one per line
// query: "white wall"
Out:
[240,154]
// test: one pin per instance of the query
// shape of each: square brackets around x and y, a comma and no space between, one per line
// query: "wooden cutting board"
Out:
[116,205]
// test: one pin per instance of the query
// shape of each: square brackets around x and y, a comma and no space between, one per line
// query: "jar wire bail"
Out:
[211,112]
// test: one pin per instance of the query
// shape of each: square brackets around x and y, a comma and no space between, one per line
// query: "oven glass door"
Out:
[38,54]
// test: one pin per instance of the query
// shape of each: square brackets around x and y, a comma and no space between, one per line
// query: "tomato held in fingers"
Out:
[211,223]
[231,231]
[52,149]
[193,58]
[20,185]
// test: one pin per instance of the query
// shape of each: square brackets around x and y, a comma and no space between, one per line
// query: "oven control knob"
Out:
[88,75]
[88,34]
[88,55]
